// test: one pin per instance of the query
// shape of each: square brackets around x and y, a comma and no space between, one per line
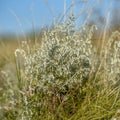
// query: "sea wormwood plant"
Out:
[64,58]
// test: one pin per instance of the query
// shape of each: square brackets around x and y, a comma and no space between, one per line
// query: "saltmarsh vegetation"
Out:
[64,77]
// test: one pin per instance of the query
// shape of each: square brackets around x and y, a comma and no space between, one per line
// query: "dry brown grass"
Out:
[7,51]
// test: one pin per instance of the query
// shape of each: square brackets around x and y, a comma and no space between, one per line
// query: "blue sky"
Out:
[17,16]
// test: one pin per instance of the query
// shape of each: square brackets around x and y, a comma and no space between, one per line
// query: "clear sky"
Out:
[17,16]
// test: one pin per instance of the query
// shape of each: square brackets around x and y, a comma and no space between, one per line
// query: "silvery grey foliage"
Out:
[64,57]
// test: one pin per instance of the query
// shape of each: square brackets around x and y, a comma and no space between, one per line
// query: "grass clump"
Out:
[63,77]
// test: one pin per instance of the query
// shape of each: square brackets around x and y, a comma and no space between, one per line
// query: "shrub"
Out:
[64,58]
